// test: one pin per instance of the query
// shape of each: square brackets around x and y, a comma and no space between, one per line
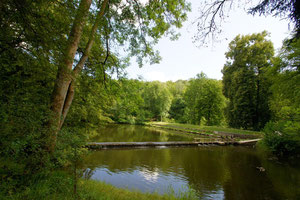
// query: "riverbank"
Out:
[60,185]
[107,145]
[100,190]
[211,131]
[187,135]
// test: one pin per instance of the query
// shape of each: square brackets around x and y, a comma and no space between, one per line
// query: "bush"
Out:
[282,137]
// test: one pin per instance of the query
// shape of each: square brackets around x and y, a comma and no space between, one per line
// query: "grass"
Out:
[99,190]
[206,129]
[59,186]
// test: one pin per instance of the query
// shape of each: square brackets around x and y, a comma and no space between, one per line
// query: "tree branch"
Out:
[80,64]
[89,45]
[207,25]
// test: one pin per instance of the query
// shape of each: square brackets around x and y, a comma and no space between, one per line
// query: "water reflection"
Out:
[149,176]
[213,172]
[133,133]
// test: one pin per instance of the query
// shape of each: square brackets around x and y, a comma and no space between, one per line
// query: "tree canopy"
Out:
[245,83]
[68,36]
[204,101]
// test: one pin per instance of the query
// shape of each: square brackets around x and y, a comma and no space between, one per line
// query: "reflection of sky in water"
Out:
[150,176]
[217,194]
[213,172]
[150,181]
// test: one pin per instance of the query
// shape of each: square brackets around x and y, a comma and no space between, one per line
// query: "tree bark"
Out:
[64,88]
[64,75]
[79,66]
[90,43]
[68,102]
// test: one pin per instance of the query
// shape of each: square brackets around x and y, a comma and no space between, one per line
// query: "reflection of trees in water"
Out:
[205,171]
[87,173]
[135,133]
[245,181]
[208,170]
[286,181]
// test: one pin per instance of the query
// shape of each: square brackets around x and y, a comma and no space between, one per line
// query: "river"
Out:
[212,172]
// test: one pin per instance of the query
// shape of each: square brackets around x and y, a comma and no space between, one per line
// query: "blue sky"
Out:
[182,59]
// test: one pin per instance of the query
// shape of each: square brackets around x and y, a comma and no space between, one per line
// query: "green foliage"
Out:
[24,99]
[33,39]
[91,103]
[285,78]
[177,108]
[157,100]
[282,137]
[70,147]
[128,105]
[204,101]
[245,81]
[177,88]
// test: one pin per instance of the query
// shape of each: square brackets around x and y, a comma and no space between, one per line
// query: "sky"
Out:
[182,59]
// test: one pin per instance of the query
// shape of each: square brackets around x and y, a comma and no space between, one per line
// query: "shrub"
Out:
[282,137]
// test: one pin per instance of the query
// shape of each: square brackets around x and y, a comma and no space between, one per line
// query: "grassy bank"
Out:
[203,129]
[60,186]
[99,190]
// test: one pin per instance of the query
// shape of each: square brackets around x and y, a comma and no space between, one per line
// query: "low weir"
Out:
[107,145]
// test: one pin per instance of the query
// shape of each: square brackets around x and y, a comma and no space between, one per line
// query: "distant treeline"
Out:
[257,87]
[197,101]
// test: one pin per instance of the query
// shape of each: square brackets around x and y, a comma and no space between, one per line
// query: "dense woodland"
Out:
[58,60]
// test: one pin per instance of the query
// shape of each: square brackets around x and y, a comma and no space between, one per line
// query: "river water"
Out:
[135,133]
[212,172]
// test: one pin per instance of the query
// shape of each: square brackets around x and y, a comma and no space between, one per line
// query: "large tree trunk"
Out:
[79,66]
[63,92]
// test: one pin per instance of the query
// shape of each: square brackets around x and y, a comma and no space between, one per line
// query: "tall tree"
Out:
[42,31]
[245,82]
[177,108]
[285,78]
[128,104]
[31,38]
[117,21]
[282,134]
[204,101]
[157,100]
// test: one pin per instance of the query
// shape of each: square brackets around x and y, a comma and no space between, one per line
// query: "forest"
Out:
[259,91]
[63,74]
